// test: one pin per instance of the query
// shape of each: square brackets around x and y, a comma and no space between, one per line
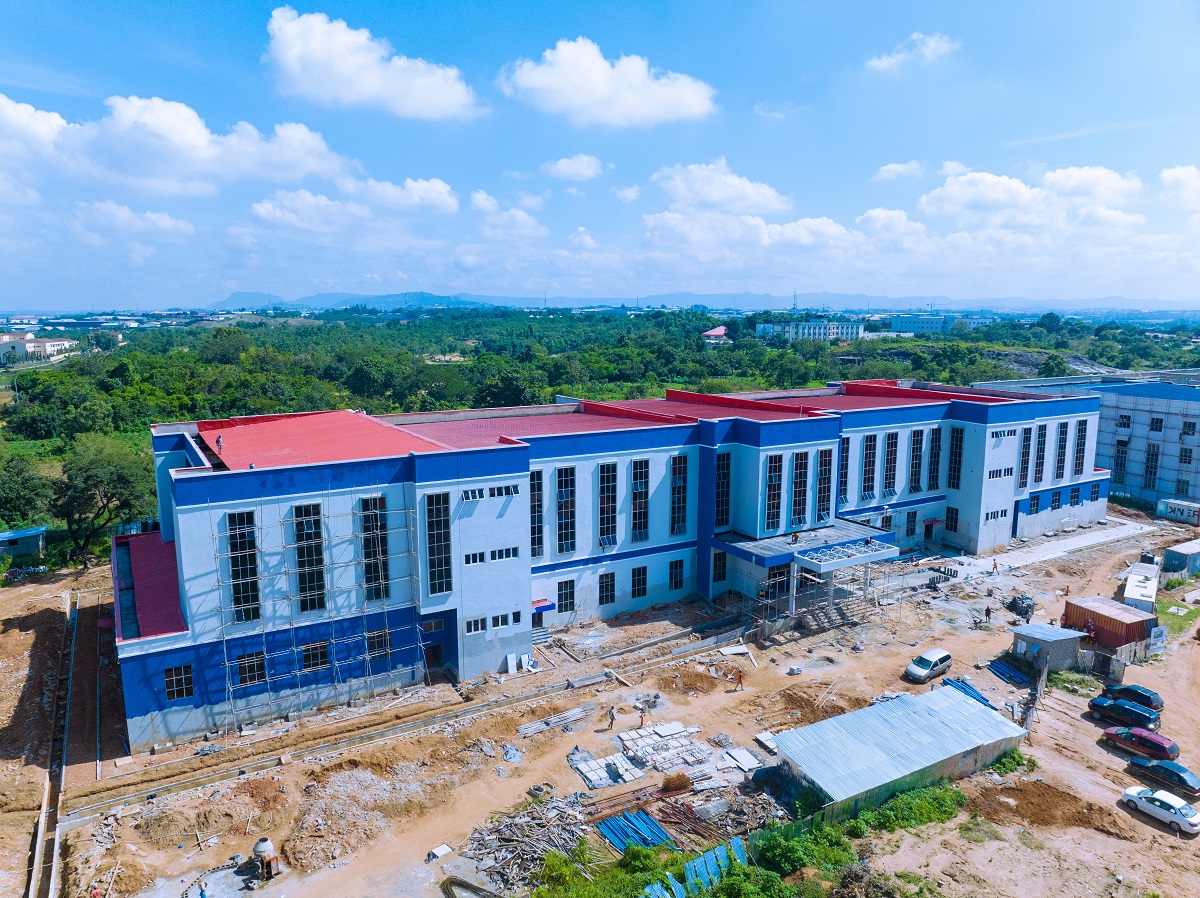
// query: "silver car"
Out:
[927,665]
[1170,809]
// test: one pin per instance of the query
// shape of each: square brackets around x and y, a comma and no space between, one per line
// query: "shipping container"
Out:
[1114,624]
[1183,560]
[1185,512]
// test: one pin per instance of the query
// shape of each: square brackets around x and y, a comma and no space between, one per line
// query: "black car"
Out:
[1177,778]
[1124,713]
[1139,695]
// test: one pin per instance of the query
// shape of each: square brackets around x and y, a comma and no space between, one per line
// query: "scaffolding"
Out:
[359,549]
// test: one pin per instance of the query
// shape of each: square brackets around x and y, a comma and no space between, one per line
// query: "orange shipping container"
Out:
[1115,624]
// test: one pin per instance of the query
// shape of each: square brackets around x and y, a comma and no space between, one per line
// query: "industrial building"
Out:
[29,541]
[1054,648]
[858,760]
[938,324]
[827,330]
[1182,560]
[304,560]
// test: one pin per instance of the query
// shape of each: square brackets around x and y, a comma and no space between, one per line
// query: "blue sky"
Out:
[155,155]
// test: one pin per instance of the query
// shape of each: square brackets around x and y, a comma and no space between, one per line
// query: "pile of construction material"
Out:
[560,721]
[664,746]
[600,773]
[511,847]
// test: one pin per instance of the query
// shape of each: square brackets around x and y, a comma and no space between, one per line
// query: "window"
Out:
[473,558]
[472,495]
[607,524]
[679,466]
[1060,458]
[499,620]
[1001,434]
[776,582]
[1156,425]
[373,526]
[1150,475]
[1120,461]
[891,442]
[608,589]
[310,557]
[379,643]
[566,595]
[954,465]
[1055,500]
[867,483]
[799,489]
[720,567]
[996,515]
[243,565]
[640,506]
[1124,421]
[951,520]
[314,656]
[509,489]
[916,451]
[516,617]
[934,477]
[637,583]
[824,483]
[431,626]
[1182,486]
[508,552]
[1080,447]
[566,509]
[675,575]
[910,524]
[477,625]
[774,496]
[252,668]
[1185,455]
[1026,450]
[885,522]
[437,540]
[1189,429]
[179,682]
[1035,503]
[537,522]
[1074,495]
[721,503]
[1095,492]
[1039,458]
[844,472]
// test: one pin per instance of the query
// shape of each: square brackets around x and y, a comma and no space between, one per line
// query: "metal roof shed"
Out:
[861,759]
[1182,560]
[30,541]
[1055,648]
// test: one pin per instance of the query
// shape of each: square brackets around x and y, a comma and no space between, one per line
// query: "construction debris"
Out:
[600,773]
[561,721]
[511,847]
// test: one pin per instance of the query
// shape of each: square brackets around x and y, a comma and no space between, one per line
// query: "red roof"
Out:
[478,433]
[155,585]
[718,331]
[697,410]
[273,441]
[842,402]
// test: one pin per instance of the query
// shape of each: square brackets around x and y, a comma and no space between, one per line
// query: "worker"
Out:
[795,538]
[612,716]
[1062,619]
[96,892]
[739,685]
[987,614]
[203,887]
[995,566]
[1067,589]
[641,719]
[220,444]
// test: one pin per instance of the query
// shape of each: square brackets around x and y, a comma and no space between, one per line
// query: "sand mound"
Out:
[265,793]
[689,681]
[164,825]
[1042,804]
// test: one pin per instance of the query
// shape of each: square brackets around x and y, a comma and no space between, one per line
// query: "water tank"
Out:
[264,849]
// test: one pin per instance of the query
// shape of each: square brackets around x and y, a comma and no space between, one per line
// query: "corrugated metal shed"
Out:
[859,752]
[1183,558]
[1055,648]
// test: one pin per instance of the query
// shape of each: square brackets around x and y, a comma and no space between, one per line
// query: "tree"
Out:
[25,493]
[225,346]
[103,482]
[105,340]
[1053,366]
[1051,321]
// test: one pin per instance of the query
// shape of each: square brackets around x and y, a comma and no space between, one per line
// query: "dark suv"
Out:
[1139,695]
[1123,712]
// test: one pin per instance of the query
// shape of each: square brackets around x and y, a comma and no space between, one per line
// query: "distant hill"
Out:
[385,302]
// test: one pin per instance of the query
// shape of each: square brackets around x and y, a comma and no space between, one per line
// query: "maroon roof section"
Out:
[155,585]
[479,433]
[695,406]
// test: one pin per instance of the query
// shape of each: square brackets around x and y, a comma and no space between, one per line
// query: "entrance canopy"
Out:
[842,544]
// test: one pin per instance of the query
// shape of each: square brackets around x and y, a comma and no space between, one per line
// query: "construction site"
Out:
[656,727]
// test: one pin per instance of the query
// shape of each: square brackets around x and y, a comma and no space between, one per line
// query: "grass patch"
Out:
[979,830]
[1176,624]
[1030,841]
[1074,682]
[1012,761]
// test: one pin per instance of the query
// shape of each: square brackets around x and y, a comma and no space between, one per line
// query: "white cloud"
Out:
[581,239]
[415,193]
[533,202]
[575,80]
[482,201]
[504,224]
[715,186]
[139,253]
[575,192]
[580,167]
[893,170]
[628,194]
[332,63]
[722,229]
[776,111]
[924,48]
[952,167]
[306,211]
[1093,184]
[890,224]
[983,199]
[1182,185]
[14,193]
[21,123]
[113,217]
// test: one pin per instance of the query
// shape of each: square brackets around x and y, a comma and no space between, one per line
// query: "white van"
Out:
[927,665]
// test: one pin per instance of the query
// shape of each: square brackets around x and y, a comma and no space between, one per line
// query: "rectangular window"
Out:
[910,524]
[637,583]
[373,527]
[243,565]
[472,495]
[774,496]
[1189,429]
[721,503]
[1026,451]
[506,490]
[844,472]
[1185,455]
[608,504]
[1039,457]
[1182,486]
[1035,503]
[720,567]
[437,542]
[1060,458]
[1080,447]
[314,656]
[951,520]
[179,682]
[499,620]
[566,595]
[476,625]
[776,582]
[473,558]
[675,575]
[431,626]
[1055,500]
[379,643]
[885,522]
[537,521]
[934,478]
[640,500]
[679,472]
[310,557]
[824,484]
[1095,492]
[506,552]
[1156,425]
[1150,476]
[954,465]
[566,509]
[516,617]
[867,482]
[252,668]
[1124,421]
[1074,495]
[608,589]
[1120,461]
[916,451]
[891,444]
[799,489]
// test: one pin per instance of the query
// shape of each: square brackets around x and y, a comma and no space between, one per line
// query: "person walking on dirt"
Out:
[739,685]
[612,716]
[641,719]
[987,614]
[995,567]
[203,887]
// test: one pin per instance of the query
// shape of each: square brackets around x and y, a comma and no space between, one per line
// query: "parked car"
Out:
[1139,695]
[1174,776]
[1121,711]
[1141,742]
[1170,809]
[928,665]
